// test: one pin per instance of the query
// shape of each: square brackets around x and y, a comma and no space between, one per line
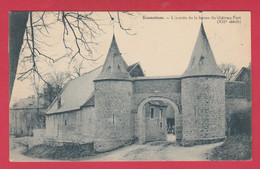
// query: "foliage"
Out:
[237,147]
[239,122]
[53,88]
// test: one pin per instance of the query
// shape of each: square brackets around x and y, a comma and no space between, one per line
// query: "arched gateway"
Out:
[106,106]
[156,122]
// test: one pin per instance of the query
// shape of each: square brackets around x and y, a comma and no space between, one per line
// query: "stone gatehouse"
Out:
[108,106]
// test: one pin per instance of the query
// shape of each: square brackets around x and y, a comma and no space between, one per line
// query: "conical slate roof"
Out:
[114,67]
[202,61]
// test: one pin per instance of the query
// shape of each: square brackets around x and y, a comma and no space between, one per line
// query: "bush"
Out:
[240,123]
[237,147]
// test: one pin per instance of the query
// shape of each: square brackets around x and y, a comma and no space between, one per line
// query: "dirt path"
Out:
[155,151]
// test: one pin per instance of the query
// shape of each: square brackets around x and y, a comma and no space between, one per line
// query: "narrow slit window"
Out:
[113,119]
[195,111]
[161,113]
[161,125]
[152,112]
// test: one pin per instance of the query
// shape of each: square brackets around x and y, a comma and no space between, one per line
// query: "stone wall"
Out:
[167,88]
[236,98]
[235,90]
[88,123]
[22,121]
[65,127]
[203,108]
[114,119]
[163,89]
[153,130]
[141,119]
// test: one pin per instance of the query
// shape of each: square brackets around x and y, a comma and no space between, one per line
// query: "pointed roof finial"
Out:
[113,22]
[201,16]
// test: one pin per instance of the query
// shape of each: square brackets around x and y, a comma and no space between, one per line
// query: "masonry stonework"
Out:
[114,120]
[203,108]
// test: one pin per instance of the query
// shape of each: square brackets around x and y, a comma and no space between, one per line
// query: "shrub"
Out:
[237,147]
[240,122]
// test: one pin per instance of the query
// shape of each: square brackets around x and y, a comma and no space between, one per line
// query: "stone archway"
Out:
[141,121]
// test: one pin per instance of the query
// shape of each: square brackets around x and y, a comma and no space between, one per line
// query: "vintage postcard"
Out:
[130,86]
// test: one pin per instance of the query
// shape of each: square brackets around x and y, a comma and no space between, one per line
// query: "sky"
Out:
[163,43]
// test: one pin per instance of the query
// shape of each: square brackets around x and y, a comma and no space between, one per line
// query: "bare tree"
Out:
[77,69]
[229,70]
[78,34]
[54,86]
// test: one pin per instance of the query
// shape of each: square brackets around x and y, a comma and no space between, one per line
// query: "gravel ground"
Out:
[153,151]
[156,151]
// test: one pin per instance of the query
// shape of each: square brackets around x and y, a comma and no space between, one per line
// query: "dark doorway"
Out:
[170,126]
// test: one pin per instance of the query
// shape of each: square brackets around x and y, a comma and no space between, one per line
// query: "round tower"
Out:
[203,96]
[113,103]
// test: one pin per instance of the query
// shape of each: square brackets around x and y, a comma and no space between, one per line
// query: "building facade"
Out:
[109,105]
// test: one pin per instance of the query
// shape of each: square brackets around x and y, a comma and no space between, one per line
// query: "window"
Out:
[161,125]
[65,122]
[161,113]
[152,112]
[59,102]
[113,119]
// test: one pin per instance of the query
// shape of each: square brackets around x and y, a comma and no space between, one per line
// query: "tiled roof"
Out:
[135,70]
[77,93]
